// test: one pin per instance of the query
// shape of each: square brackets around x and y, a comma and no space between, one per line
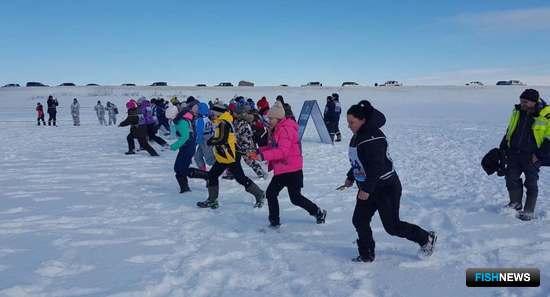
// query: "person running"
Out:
[227,157]
[379,186]
[284,157]
[136,130]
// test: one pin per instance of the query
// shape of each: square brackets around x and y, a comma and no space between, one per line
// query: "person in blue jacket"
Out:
[204,131]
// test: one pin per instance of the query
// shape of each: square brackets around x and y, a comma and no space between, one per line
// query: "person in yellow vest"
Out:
[526,144]
[224,147]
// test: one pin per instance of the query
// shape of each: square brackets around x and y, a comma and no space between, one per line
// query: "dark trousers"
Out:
[293,181]
[41,118]
[52,114]
[235,168]
[333,129]
[386,199]
[183,160]
[152,132]
[142,142]
[518,163]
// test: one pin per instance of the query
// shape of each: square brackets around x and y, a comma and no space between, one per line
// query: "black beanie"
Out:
[530,94]
[190,99]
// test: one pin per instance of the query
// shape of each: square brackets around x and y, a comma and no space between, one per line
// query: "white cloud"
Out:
[532,19]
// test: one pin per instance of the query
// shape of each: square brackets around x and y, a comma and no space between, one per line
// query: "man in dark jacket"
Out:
[136,131]
[52,110]
[331,118]
[338,110]
[526,144]
[379,186]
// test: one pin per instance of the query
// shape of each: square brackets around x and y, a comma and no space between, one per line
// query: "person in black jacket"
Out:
[379,186]
[330,116]
[136,130]
[338,111]
[52,110]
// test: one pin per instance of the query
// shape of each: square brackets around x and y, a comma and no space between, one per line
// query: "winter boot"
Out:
[515,199]
[212,201]
[525,215]
[274,223]
[197,173]
[321,216]
[130,152]
[365,254]
[183,183]
[258,194]
[428,248]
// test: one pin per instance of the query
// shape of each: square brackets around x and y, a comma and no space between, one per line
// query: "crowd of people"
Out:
[218,135]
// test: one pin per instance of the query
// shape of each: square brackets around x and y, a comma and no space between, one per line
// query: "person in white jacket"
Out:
[100,111]
[112,111]
[75,112]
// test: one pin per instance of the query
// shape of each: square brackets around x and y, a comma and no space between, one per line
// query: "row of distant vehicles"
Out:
[242,83]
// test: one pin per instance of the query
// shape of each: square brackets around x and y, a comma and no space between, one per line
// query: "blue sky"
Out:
[274,42]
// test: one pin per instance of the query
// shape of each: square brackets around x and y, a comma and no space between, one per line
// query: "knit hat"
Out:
[531,95]
[219,108]
[131,104]
[263,103]
[171,112]
[242,108]
[277,111]
[190,99]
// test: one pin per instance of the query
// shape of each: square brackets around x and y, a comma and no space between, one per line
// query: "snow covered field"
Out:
[80,218]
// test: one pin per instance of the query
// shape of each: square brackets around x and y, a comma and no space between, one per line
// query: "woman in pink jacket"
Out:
[284,157]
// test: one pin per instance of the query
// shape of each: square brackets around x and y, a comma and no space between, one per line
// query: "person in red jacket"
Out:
[40,114]
[284,157]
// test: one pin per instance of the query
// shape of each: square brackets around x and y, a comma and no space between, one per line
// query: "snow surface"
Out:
[79,218]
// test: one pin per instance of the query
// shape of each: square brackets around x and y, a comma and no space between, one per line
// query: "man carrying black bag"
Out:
[527,146]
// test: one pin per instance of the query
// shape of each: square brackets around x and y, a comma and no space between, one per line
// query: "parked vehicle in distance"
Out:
[92,85]
[200,85]
[11,86]
[35,84]
[283,85]
[475,84]
[225,84]
[128,85]
[67,85]
[511,82]
[159,84]
[244,83]
[349,83]
[313,84]
[391,83]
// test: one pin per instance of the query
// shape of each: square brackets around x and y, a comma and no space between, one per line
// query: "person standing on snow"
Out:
[338,110]
[112,111]
[100,112]
[52,110]
[227,157]
[40,114]
[75,112]
[379,186]
[526,144]
[284,157]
